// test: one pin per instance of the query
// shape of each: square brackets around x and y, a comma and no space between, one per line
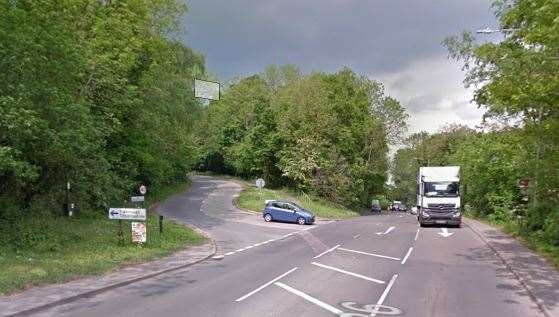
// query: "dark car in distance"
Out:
[375,206]
[398,206]
[284,211]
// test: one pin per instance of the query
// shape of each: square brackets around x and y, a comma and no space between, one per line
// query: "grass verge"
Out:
[62,249]
[251,199]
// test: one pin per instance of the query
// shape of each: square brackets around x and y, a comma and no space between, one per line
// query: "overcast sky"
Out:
[397,42]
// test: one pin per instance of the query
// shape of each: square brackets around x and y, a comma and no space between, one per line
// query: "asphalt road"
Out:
[334,268]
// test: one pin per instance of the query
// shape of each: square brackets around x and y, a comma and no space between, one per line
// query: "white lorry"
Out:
[438,196]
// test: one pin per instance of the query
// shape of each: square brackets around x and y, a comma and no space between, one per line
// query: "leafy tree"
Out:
[321,133]
[517,80]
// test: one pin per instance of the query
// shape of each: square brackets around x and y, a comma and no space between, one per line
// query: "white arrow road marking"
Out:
[348,273]
[445,233]
[387,231]
[263,286]
[309,298]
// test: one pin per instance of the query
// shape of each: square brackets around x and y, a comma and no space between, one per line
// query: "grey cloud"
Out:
[422,103]
[243,36]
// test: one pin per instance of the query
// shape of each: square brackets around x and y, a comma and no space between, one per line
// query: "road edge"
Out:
[511,268]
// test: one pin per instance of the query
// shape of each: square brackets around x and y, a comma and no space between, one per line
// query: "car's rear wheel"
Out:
[267,217]
[301,221]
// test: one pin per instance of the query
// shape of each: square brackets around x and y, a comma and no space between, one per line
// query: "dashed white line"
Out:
[407,255]
[371,254]
[356,236]
[309,298]
[263,286]
[229,253]
[384,294]
[349,273]
[327,251]
[416,235]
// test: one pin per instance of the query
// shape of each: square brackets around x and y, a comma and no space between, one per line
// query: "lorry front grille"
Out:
[440,206]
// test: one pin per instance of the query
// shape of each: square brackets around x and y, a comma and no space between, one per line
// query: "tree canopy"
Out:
[321,133]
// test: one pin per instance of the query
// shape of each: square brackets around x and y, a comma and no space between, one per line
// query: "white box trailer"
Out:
[438,195]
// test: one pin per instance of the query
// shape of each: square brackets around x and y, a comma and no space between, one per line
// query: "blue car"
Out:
[287,212]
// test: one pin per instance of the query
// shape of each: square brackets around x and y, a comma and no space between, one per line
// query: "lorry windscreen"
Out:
[441,189]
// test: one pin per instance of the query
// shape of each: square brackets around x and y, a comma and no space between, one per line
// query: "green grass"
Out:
[251,199]
[62,249]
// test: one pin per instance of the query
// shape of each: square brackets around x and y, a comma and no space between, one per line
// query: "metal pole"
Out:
[120,233]
[160,224]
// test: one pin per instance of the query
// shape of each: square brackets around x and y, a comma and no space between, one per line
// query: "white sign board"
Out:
[136,199]
[139,233]
[143,190]
[127,213]
[260,183]
[206,89]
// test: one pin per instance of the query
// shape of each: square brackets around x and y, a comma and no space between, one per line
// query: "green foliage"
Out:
[93,92]
[517,82]
[324,134]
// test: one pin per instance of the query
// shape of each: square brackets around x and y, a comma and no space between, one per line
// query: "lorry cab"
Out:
[438,196]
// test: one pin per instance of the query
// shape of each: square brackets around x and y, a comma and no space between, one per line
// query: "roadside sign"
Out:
[260,183]
[136,199]
[523,183]
[206,89]
[139,233]
[127,213]
[143,189]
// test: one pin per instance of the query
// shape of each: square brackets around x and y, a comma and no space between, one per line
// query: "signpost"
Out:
[127,213]
[139,232]
[137,199]
[260,183]
[143,189]
[206,89]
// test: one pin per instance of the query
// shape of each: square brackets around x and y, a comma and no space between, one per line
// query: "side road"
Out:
[538,277]
[207,207]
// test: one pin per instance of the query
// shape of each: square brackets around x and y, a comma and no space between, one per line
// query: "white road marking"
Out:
[371,254]
[445,233]
[356,236]
[327,251]
[416,235]
[265,242]
[218,257]
[384,294]
[387,231]
[348,273]
[263,286]
[311,299]
[407,255]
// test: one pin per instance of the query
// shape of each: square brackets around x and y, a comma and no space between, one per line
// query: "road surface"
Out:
[338,268]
